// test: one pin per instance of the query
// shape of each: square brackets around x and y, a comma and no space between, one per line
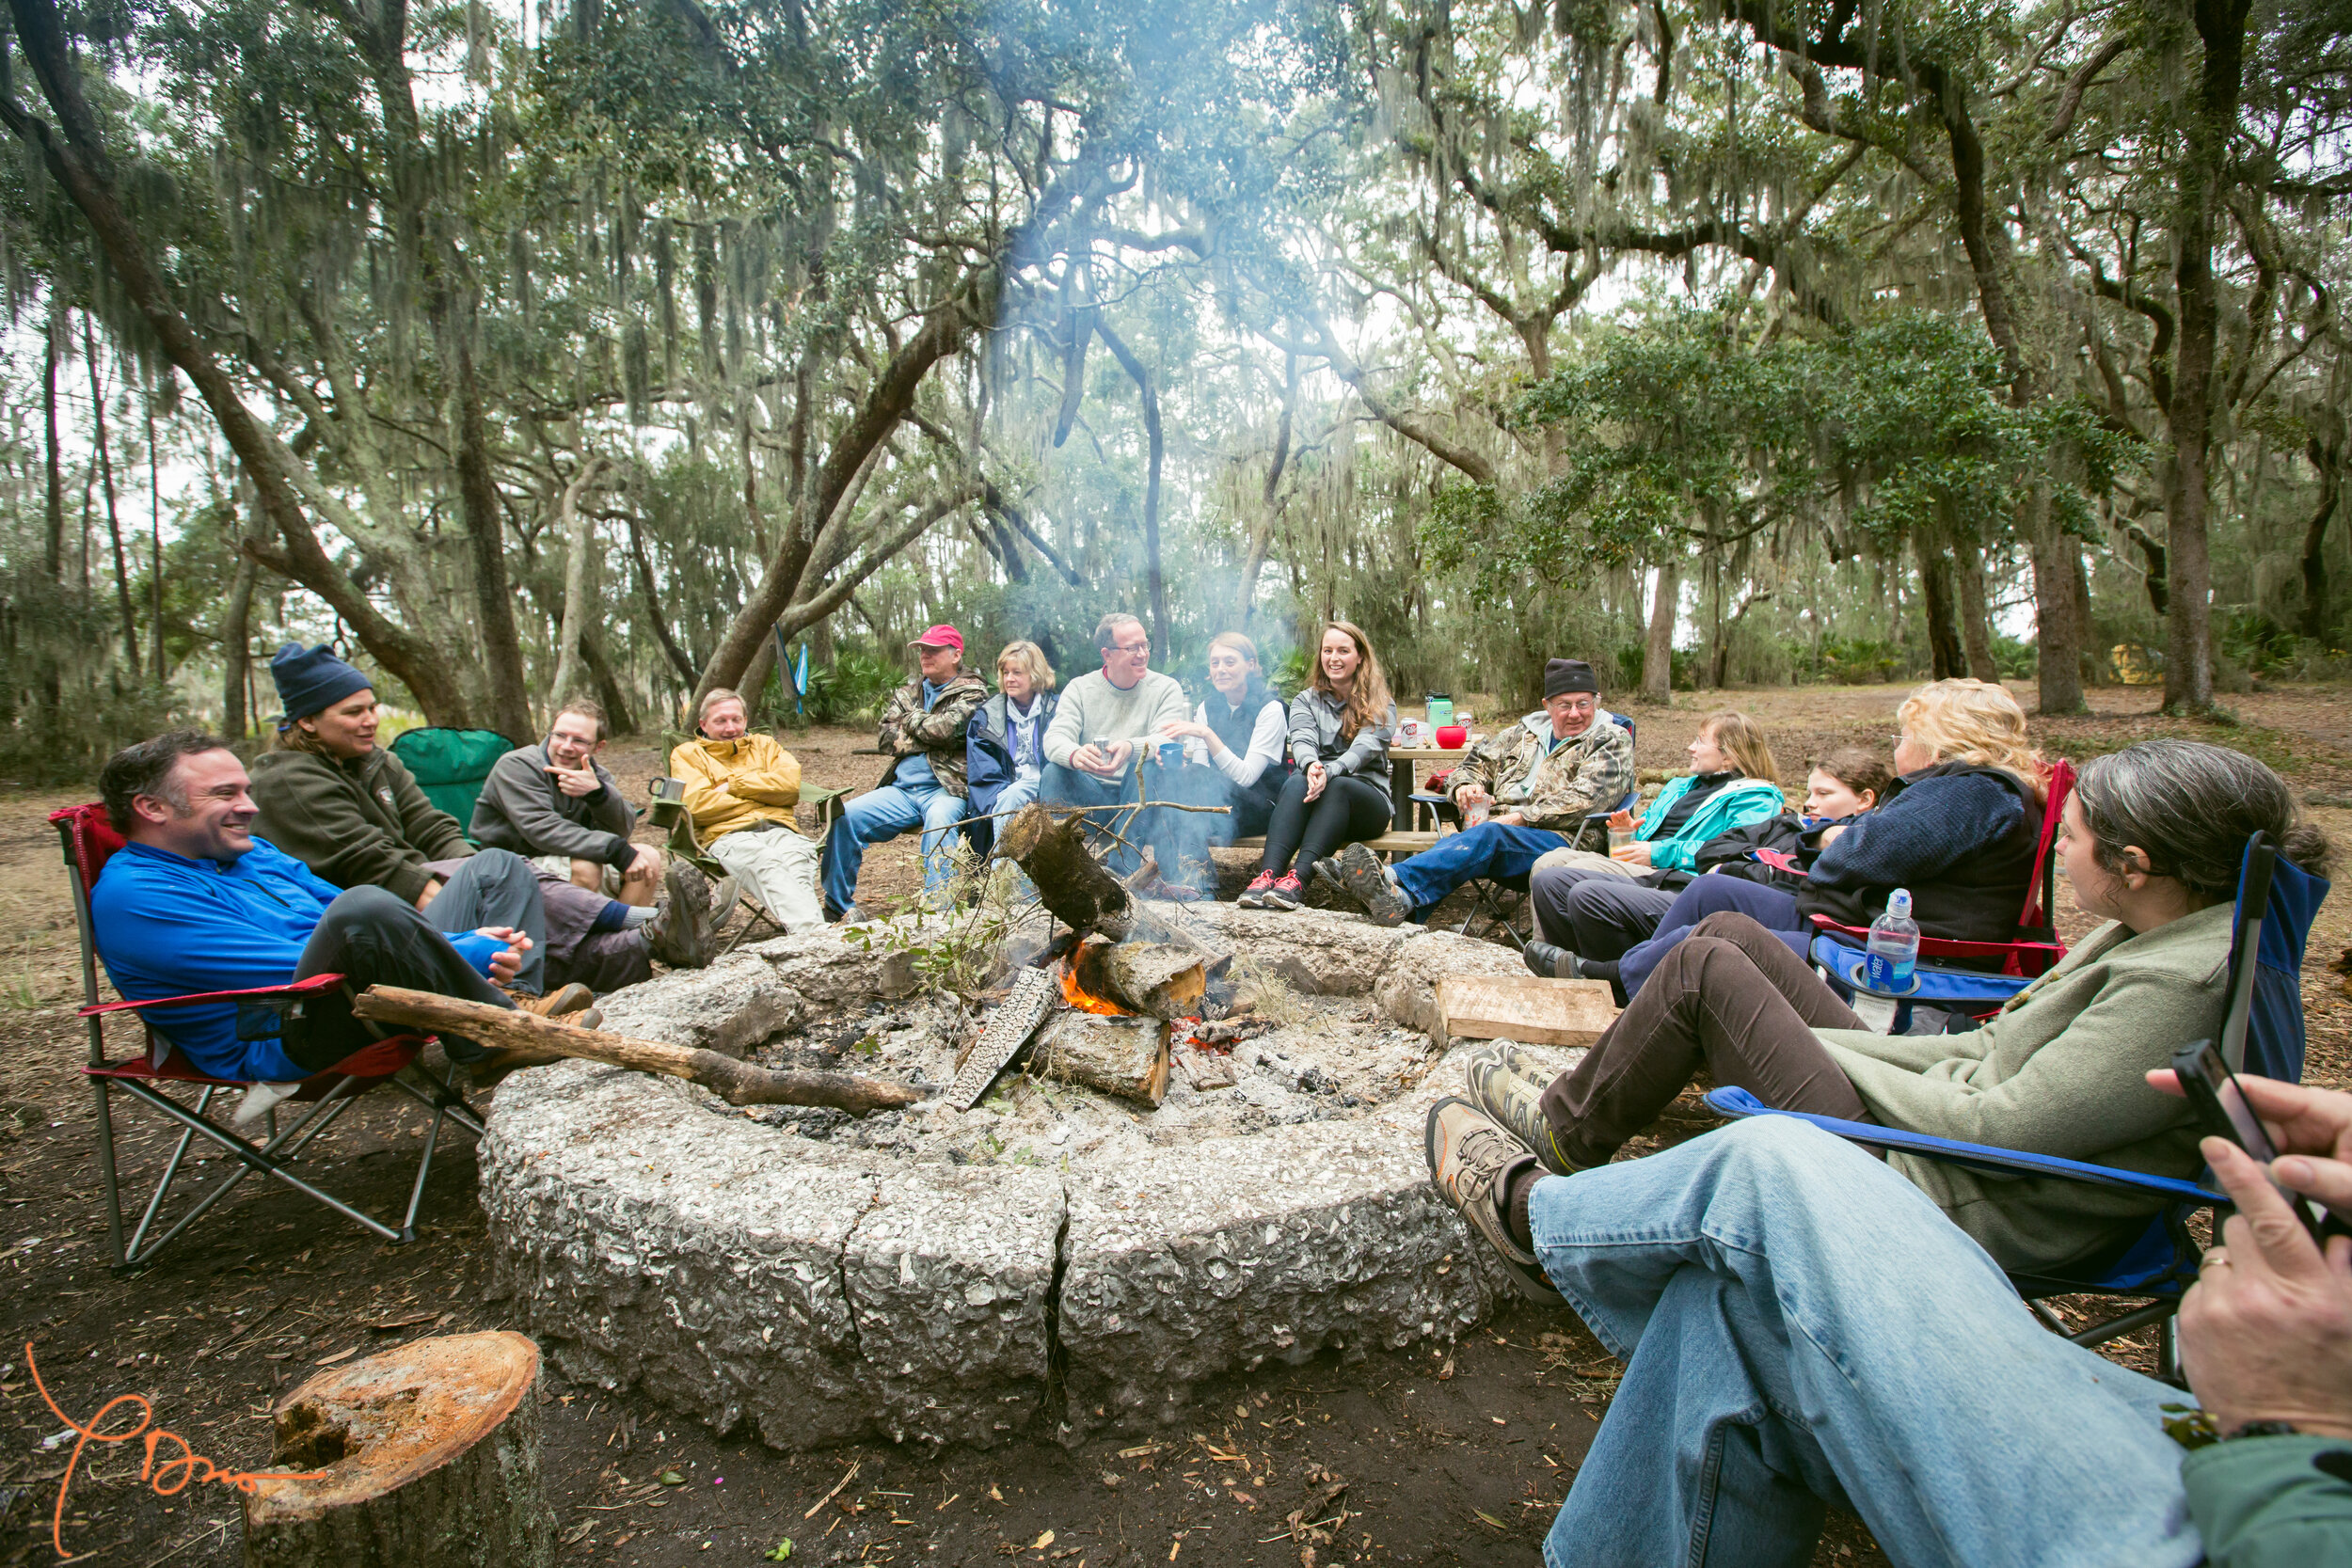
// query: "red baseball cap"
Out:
[940,637]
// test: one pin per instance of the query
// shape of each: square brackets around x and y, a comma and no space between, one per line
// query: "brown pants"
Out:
[1731,997]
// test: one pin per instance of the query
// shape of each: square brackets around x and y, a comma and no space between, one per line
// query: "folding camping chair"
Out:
[1974,992]
[451,766]
[89,841]
[667,811]
[2262,1033]
[1486,891]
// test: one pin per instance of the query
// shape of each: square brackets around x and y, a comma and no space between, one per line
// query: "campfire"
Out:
[1101,1007]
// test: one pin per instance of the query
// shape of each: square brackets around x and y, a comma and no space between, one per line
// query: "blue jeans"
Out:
[1771,908]
[1801,1326]
[1490,849]
[1070,787]
[881,815]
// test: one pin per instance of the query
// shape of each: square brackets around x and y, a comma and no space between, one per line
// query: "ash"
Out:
[1329,1058]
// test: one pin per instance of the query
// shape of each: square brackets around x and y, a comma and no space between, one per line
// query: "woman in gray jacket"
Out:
[1339,738]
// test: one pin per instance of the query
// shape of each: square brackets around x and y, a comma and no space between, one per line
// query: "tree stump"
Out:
[431,1459]
[1121,1056]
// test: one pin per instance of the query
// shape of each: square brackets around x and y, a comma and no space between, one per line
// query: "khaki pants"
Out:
[561,865]
[1587,859]
[778,868]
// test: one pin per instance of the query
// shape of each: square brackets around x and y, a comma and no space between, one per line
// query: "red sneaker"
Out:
[1287,894]
[1254,896]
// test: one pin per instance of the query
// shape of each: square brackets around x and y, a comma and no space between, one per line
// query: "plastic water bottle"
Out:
[1893,950]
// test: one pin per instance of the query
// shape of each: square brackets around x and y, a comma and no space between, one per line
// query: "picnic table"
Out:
[1402,761]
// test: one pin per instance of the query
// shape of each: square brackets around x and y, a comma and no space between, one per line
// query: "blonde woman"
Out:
[1004,743]
[1338,739]
[1959,828]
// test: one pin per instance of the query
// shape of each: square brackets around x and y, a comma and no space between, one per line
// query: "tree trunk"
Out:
[1155,584]
[54,509]
[113,521]
[1945,659]
[533,1040]
[2188,413]
[609,690]
[2328,459]
[1122,1056]
[425,1456]
[486,530]
[1657,648]
[655,618]
[236,621]
[2057,634]
[578,530]
[154,547]
[1975,624]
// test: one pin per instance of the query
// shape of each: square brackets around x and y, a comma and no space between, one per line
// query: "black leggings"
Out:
[1303,832]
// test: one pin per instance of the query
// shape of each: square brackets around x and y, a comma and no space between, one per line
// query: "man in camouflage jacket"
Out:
[1540,778]
[923,783]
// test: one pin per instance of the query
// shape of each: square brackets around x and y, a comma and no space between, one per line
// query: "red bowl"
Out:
[1453,736]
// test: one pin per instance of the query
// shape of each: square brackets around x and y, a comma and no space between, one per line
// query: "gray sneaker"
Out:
[682,934]
[1358,872]
[1471,1162]
[1505,1085]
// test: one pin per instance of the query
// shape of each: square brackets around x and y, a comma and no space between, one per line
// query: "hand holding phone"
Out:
[2221,1107]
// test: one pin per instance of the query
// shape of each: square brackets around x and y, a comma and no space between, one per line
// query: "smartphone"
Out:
[2212,1088]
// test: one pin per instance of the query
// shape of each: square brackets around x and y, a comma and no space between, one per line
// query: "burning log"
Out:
[1141,976]
[1118,1054]
[538,1040]
[1070,882]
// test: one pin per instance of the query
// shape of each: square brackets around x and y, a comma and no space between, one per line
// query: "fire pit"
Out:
[1079,1246]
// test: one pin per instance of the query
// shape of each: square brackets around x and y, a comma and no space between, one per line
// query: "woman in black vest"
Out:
[1231,757]
[1959,828]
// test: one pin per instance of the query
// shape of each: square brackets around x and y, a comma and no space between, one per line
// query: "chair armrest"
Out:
[311,987]
[1934,986]
[1736,1103]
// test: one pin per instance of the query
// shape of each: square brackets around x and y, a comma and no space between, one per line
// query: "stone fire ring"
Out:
[825,1295]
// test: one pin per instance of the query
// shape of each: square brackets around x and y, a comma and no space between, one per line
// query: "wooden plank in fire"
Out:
[1034,992]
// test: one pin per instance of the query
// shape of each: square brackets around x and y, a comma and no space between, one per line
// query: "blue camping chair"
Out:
[1487,893]
[2262,1033]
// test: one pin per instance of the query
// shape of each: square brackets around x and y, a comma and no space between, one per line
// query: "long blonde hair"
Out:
[1368,705]
[1741,738]
[1966,719]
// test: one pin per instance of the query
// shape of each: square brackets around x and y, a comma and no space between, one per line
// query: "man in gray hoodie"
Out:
[555,805]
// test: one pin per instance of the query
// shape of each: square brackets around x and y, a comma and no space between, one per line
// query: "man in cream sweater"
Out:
[1094,743]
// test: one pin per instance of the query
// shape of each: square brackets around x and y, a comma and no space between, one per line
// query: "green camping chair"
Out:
[451,766]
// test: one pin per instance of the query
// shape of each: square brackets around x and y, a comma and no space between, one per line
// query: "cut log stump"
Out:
[430,1454]
[1126,1056]
[1524,1008]
[1071,882]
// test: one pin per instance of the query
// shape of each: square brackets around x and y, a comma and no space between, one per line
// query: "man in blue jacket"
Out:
[194,903]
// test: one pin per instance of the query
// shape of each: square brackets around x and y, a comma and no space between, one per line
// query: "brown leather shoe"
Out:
[564,998]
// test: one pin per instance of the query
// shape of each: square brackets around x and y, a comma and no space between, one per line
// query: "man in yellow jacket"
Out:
[740,789]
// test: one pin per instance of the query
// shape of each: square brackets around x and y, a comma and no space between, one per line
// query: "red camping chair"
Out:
[90,841]
[1995,971]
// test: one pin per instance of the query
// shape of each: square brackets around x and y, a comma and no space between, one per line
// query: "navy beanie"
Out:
[1562,675]
[310,680]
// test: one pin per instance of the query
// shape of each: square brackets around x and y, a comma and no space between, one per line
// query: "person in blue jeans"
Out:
[924,785]
[1801,1327]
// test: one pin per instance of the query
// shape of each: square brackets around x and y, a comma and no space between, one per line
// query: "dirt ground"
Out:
[1443,1453]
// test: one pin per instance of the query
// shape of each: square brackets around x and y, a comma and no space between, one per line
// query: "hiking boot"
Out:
[1287,893]
[1254,896]
[1471,1162]
[1507,1086]
[1553,963]
[681,935]
[564,998]
[1358,873]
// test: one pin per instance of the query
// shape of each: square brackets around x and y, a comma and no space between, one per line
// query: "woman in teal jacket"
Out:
[1733,781]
